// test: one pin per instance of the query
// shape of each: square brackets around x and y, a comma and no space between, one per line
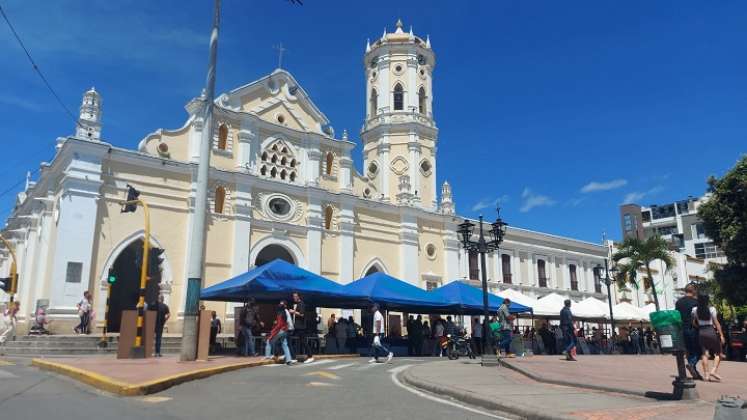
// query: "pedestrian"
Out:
[352,329]
[566,324]
[162,315]
[249,322]
[548,339]
[279,334]
[299,313]
[438,336]
[635,339]
[215,329]
[505,318]
[417,335]
[9,322]
[451,328]
[378,332]
[477,334]
[410,338]
[331,322]
[684,306]
[341,335]
[84,312]
[705,319]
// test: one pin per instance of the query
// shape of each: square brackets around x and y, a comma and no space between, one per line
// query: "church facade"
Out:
[282,185]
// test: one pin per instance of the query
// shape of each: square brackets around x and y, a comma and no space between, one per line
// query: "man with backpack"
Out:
[249,321]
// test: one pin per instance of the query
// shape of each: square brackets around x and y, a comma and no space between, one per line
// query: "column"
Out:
[408,255]
[451,253]
[345,178]
[248,147]
[39,279]
[347,237]
[26,286]
[384,167]
[414,150]
[314,232]
[195,137]
[76,228]
[313,160]
[242,231]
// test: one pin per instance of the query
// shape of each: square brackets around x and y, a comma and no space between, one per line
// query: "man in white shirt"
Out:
[378,332]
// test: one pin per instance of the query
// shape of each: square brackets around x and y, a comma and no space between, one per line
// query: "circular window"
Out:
[426,167]
[281,119]
[279,206]
[163,149]
[398,69]
[373,169]
[367,193]
[430,251]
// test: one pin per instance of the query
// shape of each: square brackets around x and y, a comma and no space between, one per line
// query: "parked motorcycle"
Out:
[458,346]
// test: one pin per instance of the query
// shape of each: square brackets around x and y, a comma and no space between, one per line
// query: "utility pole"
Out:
[196,254]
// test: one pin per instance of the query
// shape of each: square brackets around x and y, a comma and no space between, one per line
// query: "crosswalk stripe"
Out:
[343,366]
[369,366]
[314,363]
[399,368]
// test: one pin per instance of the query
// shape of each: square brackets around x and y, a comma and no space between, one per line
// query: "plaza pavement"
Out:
[506,390]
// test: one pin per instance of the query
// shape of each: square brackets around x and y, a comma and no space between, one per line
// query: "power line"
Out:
[36,67]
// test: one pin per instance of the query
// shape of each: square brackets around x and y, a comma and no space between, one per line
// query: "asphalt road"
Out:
[329,389]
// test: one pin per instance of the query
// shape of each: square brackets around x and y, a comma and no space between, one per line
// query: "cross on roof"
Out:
[280,49]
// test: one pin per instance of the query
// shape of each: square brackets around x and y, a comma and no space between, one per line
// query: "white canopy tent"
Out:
[647,310]
[517,297]
[626,312]
[591,308]
[550,305]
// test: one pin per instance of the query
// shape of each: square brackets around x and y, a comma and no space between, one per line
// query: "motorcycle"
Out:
[458,346]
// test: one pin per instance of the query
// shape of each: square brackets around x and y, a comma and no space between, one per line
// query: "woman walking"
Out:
[706,321]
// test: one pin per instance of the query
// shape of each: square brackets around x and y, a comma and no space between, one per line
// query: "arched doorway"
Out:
[124,292]
[374,269]
[271,253]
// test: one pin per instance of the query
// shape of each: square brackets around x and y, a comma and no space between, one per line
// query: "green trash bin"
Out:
[668,326]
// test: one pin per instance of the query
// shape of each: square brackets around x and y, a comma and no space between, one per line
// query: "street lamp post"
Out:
[608,282]
[484,246]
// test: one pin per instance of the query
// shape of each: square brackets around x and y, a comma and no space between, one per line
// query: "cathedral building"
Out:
[282,185]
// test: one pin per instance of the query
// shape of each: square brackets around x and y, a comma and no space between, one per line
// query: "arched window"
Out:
[421,101]
[330,160]
[222,137]
[220,199]
[541,274]
[399,98]
[506,268]
[598,279]
[574,278]
[374,103]
[474,271]
[328,217]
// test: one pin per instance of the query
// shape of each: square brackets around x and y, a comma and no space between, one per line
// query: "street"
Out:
[328,389]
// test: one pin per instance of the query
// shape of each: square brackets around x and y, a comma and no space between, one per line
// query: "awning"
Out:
[278,280]
[550,305]
[468,299]
[397,295]
[627,312]
[518,297]
[591,308]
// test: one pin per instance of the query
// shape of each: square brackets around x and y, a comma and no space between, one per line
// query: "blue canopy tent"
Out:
[396,295]
[468,299]
[277,280]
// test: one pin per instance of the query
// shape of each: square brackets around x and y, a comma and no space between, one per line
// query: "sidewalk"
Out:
[129,377]
[504,390]
[628,374]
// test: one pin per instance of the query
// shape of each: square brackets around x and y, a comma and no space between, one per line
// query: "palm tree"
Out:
[637,254]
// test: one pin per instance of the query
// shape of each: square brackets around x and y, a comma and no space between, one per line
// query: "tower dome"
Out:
[89,119]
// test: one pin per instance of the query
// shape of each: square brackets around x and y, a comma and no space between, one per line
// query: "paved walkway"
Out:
[505,390]
[629,374]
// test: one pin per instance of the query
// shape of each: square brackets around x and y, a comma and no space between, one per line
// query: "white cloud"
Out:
[491,203]
[635,196]
[575,202]
[15,101]
[595,186]
[531,200]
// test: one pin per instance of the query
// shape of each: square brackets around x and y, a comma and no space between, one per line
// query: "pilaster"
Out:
[315,222]
[347,238]
[408,254]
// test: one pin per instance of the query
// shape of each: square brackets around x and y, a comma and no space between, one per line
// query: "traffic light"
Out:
[154,261]
[132,195]
[112,278]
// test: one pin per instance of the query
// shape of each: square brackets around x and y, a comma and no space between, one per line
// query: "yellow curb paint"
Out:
[6,363]
[129,390]
[328,375]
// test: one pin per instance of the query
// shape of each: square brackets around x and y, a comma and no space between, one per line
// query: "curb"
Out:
[540,378]
[125,389]
[475,399]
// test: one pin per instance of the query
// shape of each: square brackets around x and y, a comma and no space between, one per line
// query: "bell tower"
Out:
[399,134]
[89,121]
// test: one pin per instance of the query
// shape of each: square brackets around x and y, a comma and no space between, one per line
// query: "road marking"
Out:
[323,374]
[337,367]
[399,369]
[443,401]
[320,384]
[6,363]
[6,375]
[155,399]
[316,363]
[369,366]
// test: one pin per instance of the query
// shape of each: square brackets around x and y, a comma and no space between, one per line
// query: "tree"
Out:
[724,217]
[635,254]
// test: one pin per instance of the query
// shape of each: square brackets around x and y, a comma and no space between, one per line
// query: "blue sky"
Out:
[560,110]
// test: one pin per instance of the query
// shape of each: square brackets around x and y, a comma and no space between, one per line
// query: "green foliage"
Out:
[635,254]
[724,218]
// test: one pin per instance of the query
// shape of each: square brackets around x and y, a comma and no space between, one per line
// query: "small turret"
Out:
[447,201]
[89,120]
